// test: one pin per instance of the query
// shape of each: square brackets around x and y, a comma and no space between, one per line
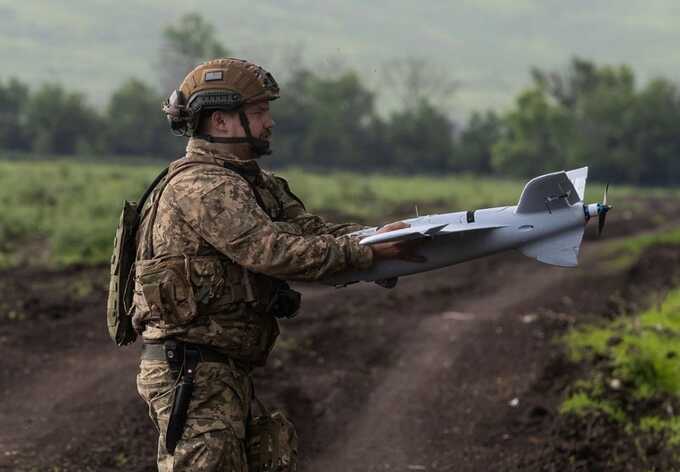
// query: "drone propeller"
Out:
[602,210]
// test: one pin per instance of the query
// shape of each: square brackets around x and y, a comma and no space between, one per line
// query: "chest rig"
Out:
[174,290]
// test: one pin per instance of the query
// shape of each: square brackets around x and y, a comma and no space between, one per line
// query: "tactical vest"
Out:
[174,291]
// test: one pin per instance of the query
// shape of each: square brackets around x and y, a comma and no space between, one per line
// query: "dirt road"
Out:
[440,373]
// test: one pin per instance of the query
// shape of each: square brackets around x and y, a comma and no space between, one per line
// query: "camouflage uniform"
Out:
[208,210]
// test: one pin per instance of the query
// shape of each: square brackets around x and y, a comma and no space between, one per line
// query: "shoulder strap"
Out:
[149,189]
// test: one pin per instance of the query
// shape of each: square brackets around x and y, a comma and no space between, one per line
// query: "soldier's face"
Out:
[260,119]
[228,125]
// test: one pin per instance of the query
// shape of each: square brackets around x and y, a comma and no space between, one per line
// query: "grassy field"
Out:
[65,212]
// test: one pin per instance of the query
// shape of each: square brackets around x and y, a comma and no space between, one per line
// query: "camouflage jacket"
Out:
[212,210]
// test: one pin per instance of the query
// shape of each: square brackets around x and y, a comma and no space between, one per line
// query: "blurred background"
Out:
[384,106]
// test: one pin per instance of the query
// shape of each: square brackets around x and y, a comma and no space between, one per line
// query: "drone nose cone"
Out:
[592,210]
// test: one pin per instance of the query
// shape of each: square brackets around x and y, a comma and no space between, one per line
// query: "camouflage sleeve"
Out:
[223,210]
[296,213]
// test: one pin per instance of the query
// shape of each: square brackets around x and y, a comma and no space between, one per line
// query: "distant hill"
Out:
[488,46]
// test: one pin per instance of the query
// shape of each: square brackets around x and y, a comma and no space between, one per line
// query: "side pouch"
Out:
[119,304]
[163,291]
[207,277]
[271,443]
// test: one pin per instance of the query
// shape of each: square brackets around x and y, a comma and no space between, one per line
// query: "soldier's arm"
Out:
[296,213]
[228,217]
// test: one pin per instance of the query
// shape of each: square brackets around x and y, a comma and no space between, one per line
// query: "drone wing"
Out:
[424,231]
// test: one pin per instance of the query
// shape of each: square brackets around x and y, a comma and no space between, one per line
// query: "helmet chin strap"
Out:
[259,146]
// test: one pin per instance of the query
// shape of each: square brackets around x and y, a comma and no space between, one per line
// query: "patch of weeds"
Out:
[670,427]
[634,375]
[582,404]
[120,459]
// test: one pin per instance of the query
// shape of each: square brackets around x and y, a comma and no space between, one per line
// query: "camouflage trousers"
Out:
[214,435]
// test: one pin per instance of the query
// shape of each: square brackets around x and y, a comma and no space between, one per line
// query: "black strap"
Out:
[221,140]
[150,188]
[241,171]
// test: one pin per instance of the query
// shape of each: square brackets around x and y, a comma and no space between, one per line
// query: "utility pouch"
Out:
[271,442]
[206,274]
[285,302]
[163,290]
[119,305]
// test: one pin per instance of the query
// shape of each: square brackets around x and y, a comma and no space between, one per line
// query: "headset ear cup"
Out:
[192,124]
[177,114]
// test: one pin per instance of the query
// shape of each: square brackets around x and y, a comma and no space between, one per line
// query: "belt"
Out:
[158,352]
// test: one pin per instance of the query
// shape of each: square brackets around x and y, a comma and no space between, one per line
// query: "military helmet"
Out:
[221,84]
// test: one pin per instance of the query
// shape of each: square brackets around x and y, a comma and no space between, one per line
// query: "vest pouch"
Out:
[271,443]
[164,292]
[207,277]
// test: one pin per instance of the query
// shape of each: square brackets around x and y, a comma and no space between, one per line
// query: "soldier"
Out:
[218,237]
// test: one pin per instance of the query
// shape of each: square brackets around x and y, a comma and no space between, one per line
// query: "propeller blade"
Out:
[604,200]
[600,223]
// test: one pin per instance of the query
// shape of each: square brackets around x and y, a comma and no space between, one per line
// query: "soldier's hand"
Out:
[404,250]
[393,227]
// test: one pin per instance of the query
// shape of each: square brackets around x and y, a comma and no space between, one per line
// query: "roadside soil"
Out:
[454,370]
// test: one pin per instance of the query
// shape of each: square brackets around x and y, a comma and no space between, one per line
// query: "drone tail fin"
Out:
[553,191]
[561,250]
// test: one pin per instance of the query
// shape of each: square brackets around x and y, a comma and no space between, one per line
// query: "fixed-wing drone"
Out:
[547,224]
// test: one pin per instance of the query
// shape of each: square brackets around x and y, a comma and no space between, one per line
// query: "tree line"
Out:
[586,114]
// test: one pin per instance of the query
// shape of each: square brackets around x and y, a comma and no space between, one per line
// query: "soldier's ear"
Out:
[217,120]
[224,121]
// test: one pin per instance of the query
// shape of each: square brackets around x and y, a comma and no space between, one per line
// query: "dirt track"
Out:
[445,372]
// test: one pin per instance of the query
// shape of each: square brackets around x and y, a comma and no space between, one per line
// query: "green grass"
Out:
[639,357]
[63,212]
[70,207]
[622,254]
[581,403]
[635,246]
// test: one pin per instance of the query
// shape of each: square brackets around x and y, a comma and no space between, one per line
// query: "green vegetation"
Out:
[581,403]
[65,212]
[622,254]
[635,246]
[635,365]
[71,209]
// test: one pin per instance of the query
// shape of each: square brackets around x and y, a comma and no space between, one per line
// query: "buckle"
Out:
[174,355]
